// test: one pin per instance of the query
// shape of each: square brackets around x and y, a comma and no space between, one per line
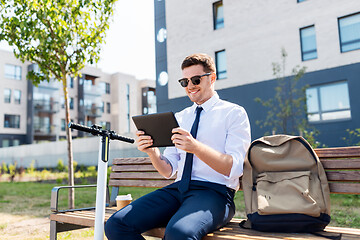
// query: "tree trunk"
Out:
[71,199]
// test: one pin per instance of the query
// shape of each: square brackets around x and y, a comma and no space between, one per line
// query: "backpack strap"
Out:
[328,235]
[246,224]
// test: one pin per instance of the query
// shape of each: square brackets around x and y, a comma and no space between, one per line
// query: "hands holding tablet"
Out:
[181,138]
[184,140]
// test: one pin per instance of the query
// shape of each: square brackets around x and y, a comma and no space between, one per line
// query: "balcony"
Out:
[46,106]
[93,111]
[52,85]
[44,130]
[93,90]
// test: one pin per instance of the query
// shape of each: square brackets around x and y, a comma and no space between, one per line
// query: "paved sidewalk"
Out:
[21,227]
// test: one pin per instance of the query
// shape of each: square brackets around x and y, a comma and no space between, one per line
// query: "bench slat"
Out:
[340,152]
[133,168]
[137,175]
[348,188]
[138,160]
[341,163]
[352,176]
[140,183]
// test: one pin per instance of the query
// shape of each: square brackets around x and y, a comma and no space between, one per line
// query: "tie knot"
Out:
[198,110]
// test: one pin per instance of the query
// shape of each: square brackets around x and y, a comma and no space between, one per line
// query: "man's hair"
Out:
[199,59]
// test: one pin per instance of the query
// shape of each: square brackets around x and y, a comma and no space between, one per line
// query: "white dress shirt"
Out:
[223,126]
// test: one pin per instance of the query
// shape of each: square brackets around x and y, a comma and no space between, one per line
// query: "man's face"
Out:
[202,92]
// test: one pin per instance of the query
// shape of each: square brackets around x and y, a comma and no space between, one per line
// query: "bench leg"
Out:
[57,227]
[53,230]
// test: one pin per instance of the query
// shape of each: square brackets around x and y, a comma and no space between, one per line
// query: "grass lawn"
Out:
[33,198]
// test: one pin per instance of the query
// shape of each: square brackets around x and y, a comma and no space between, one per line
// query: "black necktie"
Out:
[186,176]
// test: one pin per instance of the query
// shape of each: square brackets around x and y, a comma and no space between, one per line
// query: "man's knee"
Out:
[115,225]
[111,226]
[182,233]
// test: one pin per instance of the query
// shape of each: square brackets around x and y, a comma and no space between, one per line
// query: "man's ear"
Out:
[213,77]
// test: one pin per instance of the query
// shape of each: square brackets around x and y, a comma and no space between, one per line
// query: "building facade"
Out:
[245,37]
[31,114]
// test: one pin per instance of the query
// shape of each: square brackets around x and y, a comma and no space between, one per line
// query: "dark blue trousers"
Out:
[203,209]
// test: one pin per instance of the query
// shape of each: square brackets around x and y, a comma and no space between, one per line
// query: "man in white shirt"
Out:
[210,147]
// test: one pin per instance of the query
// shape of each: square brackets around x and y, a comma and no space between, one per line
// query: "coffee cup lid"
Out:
[124,197]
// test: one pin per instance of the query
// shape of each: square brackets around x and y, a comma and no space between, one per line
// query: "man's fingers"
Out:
[139,133]
[179,131]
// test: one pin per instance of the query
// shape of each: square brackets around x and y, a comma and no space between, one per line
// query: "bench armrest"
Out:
[55,195]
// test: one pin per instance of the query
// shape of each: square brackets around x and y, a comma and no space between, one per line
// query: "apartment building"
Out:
[31,114]
[245,37]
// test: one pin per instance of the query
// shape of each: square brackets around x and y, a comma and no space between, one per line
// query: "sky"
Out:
[130,43]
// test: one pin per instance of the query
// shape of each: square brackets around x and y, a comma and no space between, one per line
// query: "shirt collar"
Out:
[208,104]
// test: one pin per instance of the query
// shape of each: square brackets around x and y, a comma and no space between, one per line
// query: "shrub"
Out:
[30,170]
[60,165]
[12,171]
[92,171]
[4,168]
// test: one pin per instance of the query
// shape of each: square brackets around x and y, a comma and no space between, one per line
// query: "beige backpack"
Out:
[285,186]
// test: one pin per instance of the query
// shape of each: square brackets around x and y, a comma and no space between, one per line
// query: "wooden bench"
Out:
[342,166]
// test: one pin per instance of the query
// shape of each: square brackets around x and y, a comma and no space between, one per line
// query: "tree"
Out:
[286,110]
[60,36]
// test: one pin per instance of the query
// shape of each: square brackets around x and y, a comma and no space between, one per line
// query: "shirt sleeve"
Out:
[173,156]
[238,140]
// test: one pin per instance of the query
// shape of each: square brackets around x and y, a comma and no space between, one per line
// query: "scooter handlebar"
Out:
[97,131]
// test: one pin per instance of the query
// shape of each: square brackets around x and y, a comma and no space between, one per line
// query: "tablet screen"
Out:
[158,126]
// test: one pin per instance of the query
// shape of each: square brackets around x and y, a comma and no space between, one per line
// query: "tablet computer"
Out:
[158,126]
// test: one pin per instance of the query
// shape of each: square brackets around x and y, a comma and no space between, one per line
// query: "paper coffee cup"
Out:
[122,201]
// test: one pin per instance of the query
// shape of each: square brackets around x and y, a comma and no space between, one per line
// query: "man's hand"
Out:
[144,142]
[220,162]
[184,140]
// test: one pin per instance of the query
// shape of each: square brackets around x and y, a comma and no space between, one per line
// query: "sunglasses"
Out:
[184,82]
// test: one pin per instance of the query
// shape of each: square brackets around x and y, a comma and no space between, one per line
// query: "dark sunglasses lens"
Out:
[183,82]
[196,80]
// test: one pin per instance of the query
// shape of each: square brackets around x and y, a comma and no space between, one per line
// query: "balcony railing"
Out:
[93,90]
[45,130]
[53,84]
[93,111]
[46,106]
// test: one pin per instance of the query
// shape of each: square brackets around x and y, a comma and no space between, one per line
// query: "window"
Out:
[105,125]
[11,121]
[102,107]
[218,15]
[328,102]
[5,143]
[105,87]
[148,100]
[70,82]
[16,142]
[220,61]
[12,72]
[71,103]
[7,95]
[349,31]
[108,107]
[63,125]
[62,102]
[308,43]
[17,96]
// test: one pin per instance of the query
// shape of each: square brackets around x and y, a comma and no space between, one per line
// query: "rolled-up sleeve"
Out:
[238,140]
[172,155]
